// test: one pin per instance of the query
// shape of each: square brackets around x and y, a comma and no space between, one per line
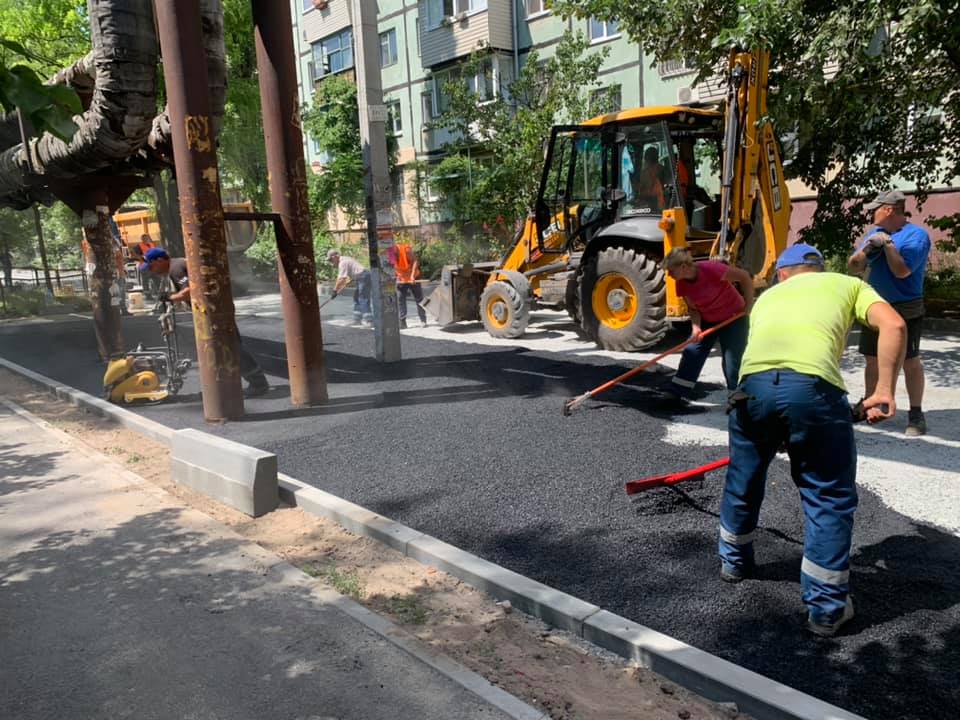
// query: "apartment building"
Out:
[422,41]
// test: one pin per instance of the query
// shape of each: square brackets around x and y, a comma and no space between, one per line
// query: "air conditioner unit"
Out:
[461,16]
[684,95]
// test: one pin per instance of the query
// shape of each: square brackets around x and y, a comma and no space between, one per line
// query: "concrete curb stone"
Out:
[710,676]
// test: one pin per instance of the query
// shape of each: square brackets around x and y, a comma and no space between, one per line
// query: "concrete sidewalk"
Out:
[116,602]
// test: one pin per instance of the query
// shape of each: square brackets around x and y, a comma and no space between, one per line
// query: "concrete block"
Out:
[238,475]
[706,674]
[552,606]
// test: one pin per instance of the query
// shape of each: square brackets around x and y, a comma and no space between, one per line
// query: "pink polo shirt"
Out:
[715,298]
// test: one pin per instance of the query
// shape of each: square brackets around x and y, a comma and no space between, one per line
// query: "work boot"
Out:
[733,575]
[256,388]
[403,324]
[829,629]
[916,424]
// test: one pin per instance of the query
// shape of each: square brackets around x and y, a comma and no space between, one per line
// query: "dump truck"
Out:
[617,193]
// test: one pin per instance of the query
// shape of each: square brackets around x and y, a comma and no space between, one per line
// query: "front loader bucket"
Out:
[457,297]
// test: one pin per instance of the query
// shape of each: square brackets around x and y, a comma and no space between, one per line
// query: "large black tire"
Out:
[572,297]
[504,310]
[622,296]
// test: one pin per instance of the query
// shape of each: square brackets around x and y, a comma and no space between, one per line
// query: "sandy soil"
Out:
[550,669]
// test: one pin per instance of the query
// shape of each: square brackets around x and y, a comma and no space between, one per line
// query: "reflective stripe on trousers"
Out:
[813,418]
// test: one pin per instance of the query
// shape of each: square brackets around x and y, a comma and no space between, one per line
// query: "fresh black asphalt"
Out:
[467,443]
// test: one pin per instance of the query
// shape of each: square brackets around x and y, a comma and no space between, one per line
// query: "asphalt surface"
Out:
[467,443]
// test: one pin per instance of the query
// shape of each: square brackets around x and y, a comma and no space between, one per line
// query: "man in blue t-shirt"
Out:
[894,256]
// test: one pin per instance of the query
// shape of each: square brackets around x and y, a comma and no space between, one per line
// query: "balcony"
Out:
[452,29]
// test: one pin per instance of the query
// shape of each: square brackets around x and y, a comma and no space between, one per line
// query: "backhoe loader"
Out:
[617,193]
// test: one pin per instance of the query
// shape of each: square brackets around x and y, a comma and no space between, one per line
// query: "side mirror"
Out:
[612,196]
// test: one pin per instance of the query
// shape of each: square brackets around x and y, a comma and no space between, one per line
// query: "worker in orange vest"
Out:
[408,270]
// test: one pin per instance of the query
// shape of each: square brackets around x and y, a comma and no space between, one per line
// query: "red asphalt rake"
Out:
[638,486]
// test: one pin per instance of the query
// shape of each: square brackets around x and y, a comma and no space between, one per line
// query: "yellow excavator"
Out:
[617,193]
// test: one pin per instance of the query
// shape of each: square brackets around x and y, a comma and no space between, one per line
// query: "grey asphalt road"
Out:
[467,443]
[116,602]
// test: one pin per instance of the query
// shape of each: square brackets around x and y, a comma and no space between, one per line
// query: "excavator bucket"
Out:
[458,295]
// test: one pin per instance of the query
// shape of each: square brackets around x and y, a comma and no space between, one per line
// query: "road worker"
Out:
[708,288]
[158,262]
[894,255]
[791,393]
[349,270]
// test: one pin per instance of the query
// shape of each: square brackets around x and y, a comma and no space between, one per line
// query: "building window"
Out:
[429,112]
[388,48]
[316,146]
[416,26]
[398,186]
[603,30]
[307,5]
[439,10]
[669,68]
[536,7]
[333,54]
[605,100]
[394,118]
[483,83]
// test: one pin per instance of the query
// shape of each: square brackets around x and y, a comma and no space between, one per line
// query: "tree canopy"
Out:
[864,92]
[333,121]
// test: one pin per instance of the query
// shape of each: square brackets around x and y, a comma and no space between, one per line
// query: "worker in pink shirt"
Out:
[708,288]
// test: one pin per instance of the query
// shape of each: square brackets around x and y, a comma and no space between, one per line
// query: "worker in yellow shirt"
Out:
[791,393]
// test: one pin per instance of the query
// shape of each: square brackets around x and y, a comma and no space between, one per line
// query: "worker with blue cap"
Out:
[791,394]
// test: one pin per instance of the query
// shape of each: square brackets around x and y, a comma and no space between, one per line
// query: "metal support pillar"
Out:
[103,288]
[201,210]
[280,104]
[373,140]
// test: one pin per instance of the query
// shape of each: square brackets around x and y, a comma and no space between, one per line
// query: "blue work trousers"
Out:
[361,298]
[733,341]
[813,418]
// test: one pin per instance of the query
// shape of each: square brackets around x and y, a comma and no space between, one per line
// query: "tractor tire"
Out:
[504,310]
[572,299]
[622,295]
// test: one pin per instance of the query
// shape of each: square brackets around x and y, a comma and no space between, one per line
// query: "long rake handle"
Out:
[330,299]
[653,361]
[635,486]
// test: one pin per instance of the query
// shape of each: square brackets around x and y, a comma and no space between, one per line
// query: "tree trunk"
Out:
[106,314]
[168,213]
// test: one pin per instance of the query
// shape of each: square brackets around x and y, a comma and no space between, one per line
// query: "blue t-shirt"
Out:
[913,244]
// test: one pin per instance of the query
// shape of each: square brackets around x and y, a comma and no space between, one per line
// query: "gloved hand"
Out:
[876,242]
[333,294]
[163,297]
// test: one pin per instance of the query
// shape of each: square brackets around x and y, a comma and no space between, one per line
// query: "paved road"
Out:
[116,602]
[464,440]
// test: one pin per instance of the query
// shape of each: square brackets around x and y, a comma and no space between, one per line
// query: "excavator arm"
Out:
[752,174]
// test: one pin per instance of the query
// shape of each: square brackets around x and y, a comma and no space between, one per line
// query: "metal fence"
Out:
[75,278]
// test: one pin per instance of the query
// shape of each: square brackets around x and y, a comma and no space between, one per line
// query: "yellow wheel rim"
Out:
[614,300]
[498,314]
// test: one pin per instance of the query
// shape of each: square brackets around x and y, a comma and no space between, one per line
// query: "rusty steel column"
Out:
[288,193]
[104,293]
[204,236]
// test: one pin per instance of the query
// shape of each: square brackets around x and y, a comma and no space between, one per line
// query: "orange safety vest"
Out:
[405,263]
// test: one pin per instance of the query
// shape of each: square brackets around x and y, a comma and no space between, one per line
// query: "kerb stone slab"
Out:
[238,475]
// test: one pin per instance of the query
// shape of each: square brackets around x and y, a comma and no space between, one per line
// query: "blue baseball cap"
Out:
[151,255]
[800,254]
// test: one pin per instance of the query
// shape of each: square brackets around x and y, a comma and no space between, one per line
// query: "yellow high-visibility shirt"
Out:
[801,324]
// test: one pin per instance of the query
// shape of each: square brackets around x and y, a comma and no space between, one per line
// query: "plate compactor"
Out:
[149,374]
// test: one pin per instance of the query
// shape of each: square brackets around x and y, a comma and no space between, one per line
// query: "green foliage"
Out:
[408,608]
[891,113]
[333,120]
[49,108]
[62,234]
[490,175]
[455,248]
[263,253]
[346,582]
[24,302]
[242,152]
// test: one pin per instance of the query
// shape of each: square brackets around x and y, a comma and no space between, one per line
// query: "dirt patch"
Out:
[550,669]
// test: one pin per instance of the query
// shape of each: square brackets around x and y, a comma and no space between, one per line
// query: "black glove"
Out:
[333,294]
[163,297]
